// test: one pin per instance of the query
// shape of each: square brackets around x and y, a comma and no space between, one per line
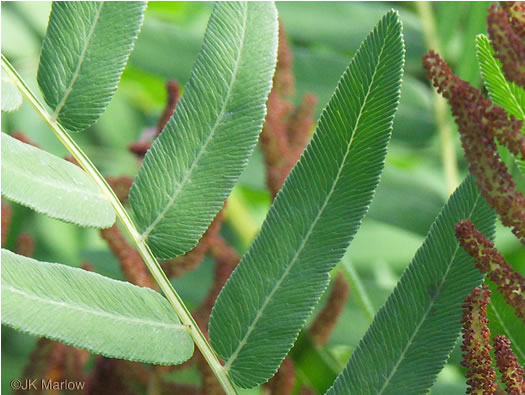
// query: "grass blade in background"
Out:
[313,365]
[413,334]
[357,287]
[392,192]
[191,168]
[84,52]
[86,310]
[265,303]
[52,186]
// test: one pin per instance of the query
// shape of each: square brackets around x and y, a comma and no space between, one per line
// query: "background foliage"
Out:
[409,196]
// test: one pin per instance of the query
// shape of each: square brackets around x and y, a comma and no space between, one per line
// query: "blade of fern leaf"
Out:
[422,316]
[50,300]
[502,92]
[86,47]
[52,186]
[314,217]
[191,168]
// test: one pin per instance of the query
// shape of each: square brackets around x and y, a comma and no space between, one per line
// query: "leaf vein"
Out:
[427,311]
[76,73]
[259,314]
[99,313]
[180,186]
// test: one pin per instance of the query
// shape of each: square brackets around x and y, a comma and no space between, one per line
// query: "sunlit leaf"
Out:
[87,310]
[502,92]
[52,186]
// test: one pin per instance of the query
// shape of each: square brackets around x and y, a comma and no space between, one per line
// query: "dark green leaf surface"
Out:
[191,168]
[84,52]
[52,186]
[87,310]
[413,334]
[265,303]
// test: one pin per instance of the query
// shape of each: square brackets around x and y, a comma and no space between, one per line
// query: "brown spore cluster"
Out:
[480,122]
[510,283]
[481,377]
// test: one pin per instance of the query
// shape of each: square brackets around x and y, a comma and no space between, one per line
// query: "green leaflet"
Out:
[422,316]
[52,186]
[265,303]
[191,168]
[84,52]
[87,310]
[502,92]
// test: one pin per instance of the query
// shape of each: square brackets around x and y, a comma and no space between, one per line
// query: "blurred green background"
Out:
[323,37]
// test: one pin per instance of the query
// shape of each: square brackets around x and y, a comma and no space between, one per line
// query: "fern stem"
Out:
[143,249]
[448,152]
[357,288]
